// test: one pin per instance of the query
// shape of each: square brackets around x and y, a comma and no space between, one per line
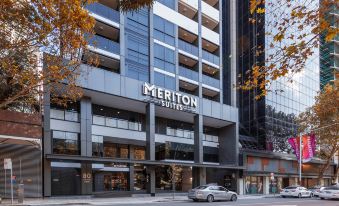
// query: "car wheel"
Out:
[299,195]
[195,200]
[322,198]
[283,196]
[234,198]
[311,195]
[210,198]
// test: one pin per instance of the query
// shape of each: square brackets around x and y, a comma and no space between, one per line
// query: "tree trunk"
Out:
[326,165]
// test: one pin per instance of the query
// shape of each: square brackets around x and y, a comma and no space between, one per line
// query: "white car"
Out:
[331,192]
[316,190]
[295,191]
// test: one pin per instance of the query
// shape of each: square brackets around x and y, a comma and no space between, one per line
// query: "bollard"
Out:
[21,193]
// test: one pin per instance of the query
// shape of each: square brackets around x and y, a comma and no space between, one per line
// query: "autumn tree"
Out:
[292,31]
[41,43]
[323,120]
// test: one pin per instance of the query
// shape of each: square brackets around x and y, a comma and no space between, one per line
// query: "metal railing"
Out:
[105,44]
[104,11]
[210,81]
[116,123]
[210,57]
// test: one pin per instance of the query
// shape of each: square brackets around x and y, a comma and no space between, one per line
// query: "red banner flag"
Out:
[308,147]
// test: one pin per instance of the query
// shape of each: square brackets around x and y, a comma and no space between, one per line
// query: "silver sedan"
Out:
[211,193]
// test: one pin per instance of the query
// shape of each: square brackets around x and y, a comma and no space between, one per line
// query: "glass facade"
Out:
[268,122]
[182,177]
[110,181]
[66,143]
[253,185]
[137,45]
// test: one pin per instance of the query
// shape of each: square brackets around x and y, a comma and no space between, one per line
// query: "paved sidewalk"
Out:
[87,200]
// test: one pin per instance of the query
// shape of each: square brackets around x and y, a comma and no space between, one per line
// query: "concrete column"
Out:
[150,146]
[228,145]
[122,44]
[200,54]
[266,185]
[233,25]
[150,131]
[86,179]
[198,176]
[131,168]
[150,187]
[86,127]
[240,186]
[47,143]
[47,178]
[151,47]
[198,136]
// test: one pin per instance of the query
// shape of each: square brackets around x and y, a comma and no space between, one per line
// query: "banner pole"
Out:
[300,158]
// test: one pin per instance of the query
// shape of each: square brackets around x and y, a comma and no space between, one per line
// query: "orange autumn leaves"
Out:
[292,31]
[36,33]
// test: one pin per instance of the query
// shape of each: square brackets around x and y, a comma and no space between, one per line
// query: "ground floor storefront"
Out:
[71,178]
[265,174]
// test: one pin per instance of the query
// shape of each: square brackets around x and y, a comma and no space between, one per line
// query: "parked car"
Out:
[295,191]
[316,190]
[331,192]
[211,193]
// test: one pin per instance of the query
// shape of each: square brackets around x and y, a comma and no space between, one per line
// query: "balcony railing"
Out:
[187,47]
[210,81]
[188,73]
[104,11]
[210,57]
[116,123]
[105,44]
[188,134]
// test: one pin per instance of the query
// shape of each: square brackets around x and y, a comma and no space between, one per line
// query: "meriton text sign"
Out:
[169,99]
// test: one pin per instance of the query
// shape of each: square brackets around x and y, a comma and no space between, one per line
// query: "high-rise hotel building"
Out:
[161,98]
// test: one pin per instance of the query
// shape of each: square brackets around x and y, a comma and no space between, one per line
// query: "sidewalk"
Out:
[87,200]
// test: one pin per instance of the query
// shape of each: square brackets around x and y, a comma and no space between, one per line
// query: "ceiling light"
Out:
[101,109]
[101,27]
[185,60]
[118,112]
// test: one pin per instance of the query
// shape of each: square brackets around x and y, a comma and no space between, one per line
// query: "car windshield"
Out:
[289,188]
[201,187]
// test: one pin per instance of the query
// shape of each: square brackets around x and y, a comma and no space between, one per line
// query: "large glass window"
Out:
[165,175]
[66,143]
[253,185]
[211,154]
[163,30]
[174,151]
[139,153]
[116,150]
[110,181]
[97,146]
[164,58]
[140,177]
[165,81]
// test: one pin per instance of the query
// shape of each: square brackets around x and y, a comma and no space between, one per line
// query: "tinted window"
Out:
[201,187]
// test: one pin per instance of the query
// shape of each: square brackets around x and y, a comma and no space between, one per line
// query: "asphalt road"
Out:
[251,202]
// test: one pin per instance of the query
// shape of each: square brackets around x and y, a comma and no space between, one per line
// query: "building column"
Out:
[47,144]
[228,145]
[266,185]
[86,178]
[150,146]
[198,176]
[86,127]
[198,137]
[240,186]
[131,168]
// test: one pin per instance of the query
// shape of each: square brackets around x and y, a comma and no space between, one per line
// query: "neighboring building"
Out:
[20,141]
[160,96]
[329,51]
[265,125]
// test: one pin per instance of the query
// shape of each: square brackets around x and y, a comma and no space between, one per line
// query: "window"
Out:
[165,81]
[163,30]
[116,150]
[66,143]
[97,146]
[168,3]
[164,58]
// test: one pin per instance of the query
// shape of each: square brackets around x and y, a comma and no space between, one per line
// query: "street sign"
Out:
[7,164]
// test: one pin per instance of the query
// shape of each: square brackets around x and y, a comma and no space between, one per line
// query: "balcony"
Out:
[187,47]
[116,123]
[105,44]
[210,57]
[188,73]
[210,81]
[104,11]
